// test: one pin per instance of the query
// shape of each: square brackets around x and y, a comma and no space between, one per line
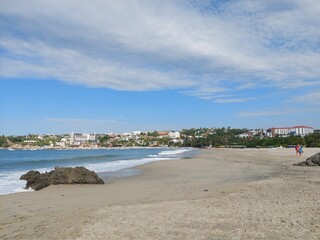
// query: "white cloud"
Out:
[150,45]
[234,100]
[74,67]
[310,98]
[269,112]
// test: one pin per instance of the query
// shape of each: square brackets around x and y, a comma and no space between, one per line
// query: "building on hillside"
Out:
[30,141]
[174,134]
[243,135]
[137,133]
[78,139]
[41,136]
[163,134]
[252,133]
[61,144]
[126,136]
[289,131]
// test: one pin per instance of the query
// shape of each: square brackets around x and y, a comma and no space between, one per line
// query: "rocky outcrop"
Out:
[311,161]
[60,175]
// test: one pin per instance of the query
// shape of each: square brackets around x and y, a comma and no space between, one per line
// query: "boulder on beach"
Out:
[60,175]
[314,160]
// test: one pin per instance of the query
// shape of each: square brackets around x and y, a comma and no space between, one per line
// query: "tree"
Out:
[16,139]
[104,138]
[312,140]
[153,134]
[3,140]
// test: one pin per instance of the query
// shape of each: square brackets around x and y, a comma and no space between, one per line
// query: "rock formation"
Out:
[311,161]
[60,175]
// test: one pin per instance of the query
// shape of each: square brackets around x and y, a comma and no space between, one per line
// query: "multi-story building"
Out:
[287,131]
[78,139]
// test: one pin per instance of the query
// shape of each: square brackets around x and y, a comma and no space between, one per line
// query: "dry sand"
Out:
[219,194]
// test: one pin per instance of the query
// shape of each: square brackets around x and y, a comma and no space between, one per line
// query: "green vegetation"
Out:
[202,137]
[29,140]
[230,138]
[104,140]
[312,140]
[153,134]
[3,142]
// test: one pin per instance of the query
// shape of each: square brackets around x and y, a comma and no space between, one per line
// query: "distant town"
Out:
[201,137]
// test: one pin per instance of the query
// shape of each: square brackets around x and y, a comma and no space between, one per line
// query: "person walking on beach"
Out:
[297,147]
[300,151]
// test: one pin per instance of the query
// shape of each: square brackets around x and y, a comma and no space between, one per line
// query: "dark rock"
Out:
[303,163]
[82,175]
[315,158]
[38,182]
[63,175]
[32,178]
[311,161]
[29,174]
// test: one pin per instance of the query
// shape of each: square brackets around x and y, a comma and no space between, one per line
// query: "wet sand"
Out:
[219,194]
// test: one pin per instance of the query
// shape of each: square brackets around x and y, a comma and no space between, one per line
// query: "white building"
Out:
[137,133]
[126,136]
[61,144]
[29,141]
[174,134]
[77,139]
[286,131]
[243,135]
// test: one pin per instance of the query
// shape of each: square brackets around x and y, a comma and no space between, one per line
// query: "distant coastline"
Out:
[199,138]
[31,148]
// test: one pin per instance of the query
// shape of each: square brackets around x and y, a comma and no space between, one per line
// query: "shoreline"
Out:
[106,168]
[213,189]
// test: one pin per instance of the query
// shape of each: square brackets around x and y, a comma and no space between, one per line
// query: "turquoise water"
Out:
[14,163]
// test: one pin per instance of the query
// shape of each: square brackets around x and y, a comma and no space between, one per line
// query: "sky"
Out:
[121,66]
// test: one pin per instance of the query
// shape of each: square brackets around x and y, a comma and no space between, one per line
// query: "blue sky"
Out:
[119,66]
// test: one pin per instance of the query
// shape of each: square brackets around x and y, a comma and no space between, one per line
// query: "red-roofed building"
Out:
[287,131]
[163,133]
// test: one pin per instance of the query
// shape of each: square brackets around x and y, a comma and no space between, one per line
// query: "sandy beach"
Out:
[219,194]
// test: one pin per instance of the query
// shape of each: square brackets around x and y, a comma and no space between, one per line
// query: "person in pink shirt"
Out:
[297,147]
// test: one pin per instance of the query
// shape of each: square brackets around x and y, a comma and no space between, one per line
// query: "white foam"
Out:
[174,152]
[122,164]
[10,183]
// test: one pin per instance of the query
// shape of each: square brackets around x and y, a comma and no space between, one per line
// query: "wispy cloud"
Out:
[310,98]
[268,112]
[234,100]
[148,45]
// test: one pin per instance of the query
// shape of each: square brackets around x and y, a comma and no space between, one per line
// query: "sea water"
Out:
[14,163]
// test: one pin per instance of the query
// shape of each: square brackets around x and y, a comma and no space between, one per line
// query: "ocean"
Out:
[105,162]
